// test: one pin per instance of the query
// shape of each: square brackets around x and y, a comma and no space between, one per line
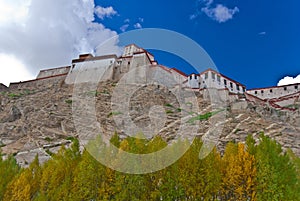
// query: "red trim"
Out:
[125,57]
[133,45]
[224,76]
[38,79]
[54,68]
[95,58]
[272,102]
[274,87]
[178,71]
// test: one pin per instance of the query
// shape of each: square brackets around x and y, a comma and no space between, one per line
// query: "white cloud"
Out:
[262,33]
[47,34]
[137,26]
[12,70]
[13,11]
[289,80]
[124,27]
[208,2]
[220,13]
[103,12]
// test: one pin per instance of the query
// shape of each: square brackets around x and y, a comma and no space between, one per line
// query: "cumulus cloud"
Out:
[124,27]
[103,12]
[289,80]
[220,13]
[137,26]
[42,34]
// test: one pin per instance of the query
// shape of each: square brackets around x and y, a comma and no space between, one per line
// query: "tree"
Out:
[8,170]
[276,174]
[26,185]
[239,173]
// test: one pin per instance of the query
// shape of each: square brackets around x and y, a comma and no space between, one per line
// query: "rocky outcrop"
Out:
[39,120]
[3,88]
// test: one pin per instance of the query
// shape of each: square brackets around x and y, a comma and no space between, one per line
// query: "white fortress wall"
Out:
[91,70]
[211,79]
[275,92]
[179,78]
[193,81]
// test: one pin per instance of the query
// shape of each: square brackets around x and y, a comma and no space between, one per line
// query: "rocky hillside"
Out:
[39,120]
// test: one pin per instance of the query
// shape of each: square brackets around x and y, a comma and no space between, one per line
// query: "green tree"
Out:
[276,174]
[8,170]
[26,185]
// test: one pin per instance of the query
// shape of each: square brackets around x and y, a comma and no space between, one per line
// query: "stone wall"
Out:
[39,83]
[53,72]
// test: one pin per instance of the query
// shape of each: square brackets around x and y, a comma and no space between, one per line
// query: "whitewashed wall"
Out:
[275,92]
[91,70]
[211,79]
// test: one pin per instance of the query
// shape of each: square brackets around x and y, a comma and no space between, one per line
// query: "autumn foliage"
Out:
[250,171]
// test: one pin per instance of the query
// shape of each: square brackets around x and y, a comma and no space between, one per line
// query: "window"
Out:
[237,87]
[218,78]
[255,92]
[271,90]
[191,77]
[285,88]
[128,62]
[231,85]
[195,76]
[296,86]
[262,91]
[213,75]
[206,75]
[225,82]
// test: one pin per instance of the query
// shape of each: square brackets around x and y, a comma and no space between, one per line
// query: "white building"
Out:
[275,92]
[213,79]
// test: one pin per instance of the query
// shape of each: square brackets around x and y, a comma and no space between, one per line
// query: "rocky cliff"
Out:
[38,120]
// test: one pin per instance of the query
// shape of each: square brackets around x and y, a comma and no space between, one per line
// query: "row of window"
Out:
[214,76]
[271,90]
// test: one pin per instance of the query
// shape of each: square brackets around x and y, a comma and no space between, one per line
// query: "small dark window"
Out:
[271,90]
[296,86]
[262,91]
[218,78]
[255,92]
[225,82]
[231,85]
[206,75]
[128,62]
[285,88]
[191,77]
[195,76]
[237,87]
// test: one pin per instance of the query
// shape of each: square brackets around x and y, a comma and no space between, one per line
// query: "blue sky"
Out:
[258,46]
[254,42]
